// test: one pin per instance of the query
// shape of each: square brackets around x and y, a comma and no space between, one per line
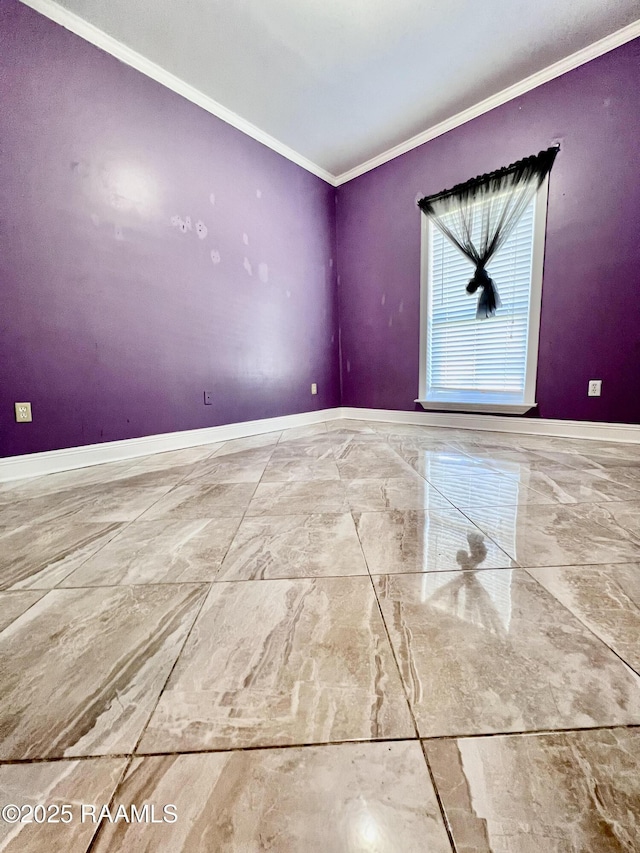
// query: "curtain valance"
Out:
[479,215]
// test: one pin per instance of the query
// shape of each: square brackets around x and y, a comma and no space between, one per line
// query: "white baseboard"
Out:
[497,423]
[52,461]
[49,462]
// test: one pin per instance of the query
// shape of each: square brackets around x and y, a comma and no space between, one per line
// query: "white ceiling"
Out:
[341,81]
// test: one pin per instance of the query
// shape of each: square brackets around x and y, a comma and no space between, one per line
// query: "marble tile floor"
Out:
[354,636]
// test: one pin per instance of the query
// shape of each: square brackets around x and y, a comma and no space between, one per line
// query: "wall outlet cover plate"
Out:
[23,413]
[208,398]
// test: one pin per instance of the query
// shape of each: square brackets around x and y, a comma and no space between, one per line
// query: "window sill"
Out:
[486,408]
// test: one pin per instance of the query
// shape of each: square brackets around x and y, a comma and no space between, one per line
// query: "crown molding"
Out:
[592,51]
[70,21]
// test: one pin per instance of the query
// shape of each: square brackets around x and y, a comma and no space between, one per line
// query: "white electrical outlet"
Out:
[23,413]
[314,388]
[595,387]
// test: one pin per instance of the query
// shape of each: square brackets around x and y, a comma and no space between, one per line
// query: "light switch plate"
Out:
[23,413]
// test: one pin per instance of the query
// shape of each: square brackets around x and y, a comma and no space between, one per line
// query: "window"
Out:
[482,365]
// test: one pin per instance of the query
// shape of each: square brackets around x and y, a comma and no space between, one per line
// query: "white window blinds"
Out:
[470,360]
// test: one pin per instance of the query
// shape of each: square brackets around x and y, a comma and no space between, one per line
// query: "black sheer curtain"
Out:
[479,215]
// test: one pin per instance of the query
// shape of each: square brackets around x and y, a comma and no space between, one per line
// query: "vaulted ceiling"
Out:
[340,81]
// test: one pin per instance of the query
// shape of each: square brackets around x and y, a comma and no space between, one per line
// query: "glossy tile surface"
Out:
[575,792]
[303,433]
[344,798]
[13,604]
[564,535]
[415,541]
[300,468]
[350,425]
[261,629]
[203,501]
[40,555]
[492,651]
[47,484]
[112,502]
[251,442]
[604,598]
[245,467]
[318,448]
[370,460]
[300,497]
[469,482]
[167,551]
[82,669]
[246,675]
[574,485]
[173,459]
[402,493]
[596,459]
[294,546]
[628,476]
[54,783]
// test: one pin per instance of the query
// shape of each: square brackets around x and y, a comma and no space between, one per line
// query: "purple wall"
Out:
[590,327]
[113,322]
[115,317]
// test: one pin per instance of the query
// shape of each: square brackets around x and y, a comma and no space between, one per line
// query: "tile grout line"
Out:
[572,509]
[579,620]
[210,584]
[243,516]
[121,530]
[128,524]
[125,525]
[421,573]
[316,744]
[212,455]
[47,589]
[379,574]
[535,732]
[122,527]
[443,814]
[98,830]
[199,610]
[439,492]
[204,751]
[279,441]
[134,751]
[188,633]
[170,673]
[193,624]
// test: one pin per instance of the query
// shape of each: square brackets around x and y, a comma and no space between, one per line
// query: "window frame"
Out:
[535,301]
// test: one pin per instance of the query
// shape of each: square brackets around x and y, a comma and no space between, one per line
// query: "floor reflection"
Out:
[481,598]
